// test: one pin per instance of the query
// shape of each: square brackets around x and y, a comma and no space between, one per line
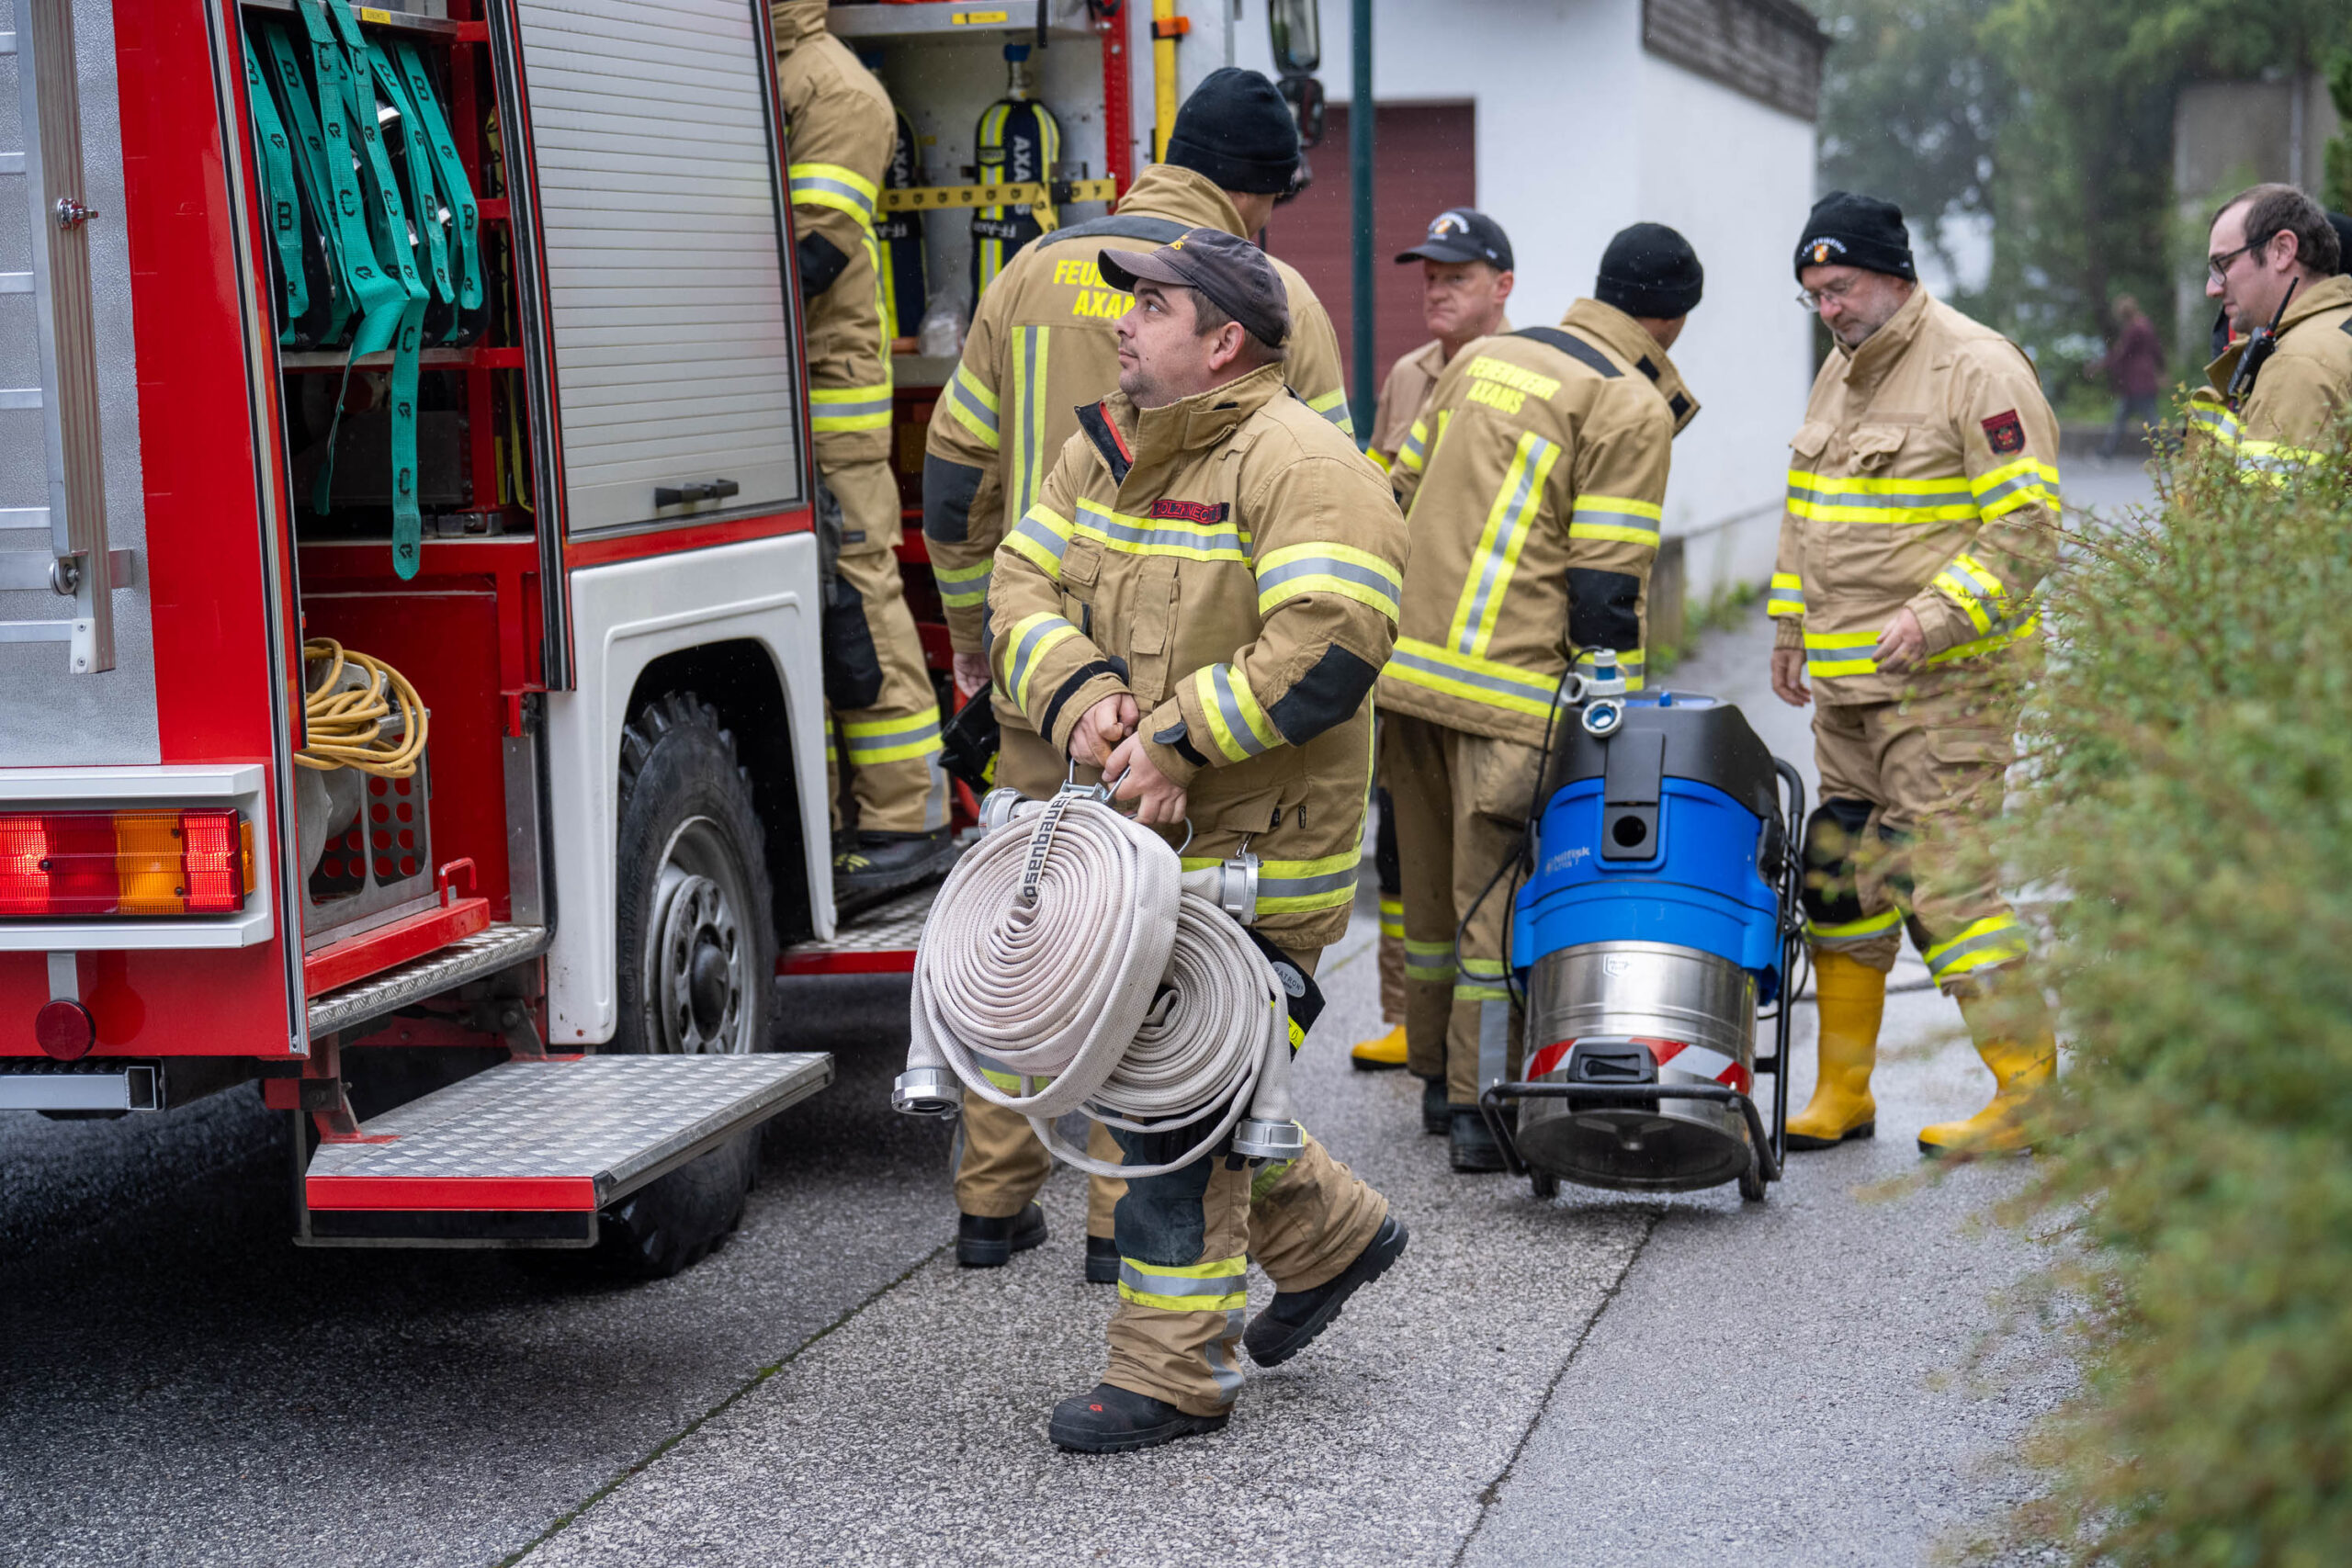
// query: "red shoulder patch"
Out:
[2005,432]
[1202,512]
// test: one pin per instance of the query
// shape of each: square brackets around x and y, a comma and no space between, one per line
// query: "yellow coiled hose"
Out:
[345,723]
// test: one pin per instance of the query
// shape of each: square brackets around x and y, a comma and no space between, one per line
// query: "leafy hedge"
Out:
[2190,793]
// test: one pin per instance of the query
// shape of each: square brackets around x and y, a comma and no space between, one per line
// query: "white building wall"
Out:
[1582,132]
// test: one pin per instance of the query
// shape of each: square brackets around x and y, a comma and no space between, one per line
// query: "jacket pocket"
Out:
[1874,446]
[1807,444]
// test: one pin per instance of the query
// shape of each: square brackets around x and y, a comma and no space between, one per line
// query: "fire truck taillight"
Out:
[55,863]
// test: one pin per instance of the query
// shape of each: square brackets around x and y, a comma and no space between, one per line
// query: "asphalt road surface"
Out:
[1600,1379]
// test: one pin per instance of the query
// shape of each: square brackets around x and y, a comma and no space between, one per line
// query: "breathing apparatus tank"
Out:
[1658,914]
[899,234]
[1019,143]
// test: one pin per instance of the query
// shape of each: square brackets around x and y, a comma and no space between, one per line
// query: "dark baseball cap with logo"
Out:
[1231,271]
[1458,234]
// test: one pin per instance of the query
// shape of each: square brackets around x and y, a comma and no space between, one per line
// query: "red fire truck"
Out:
[408,591]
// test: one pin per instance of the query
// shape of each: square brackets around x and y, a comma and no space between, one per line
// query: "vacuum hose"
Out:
[1079,957]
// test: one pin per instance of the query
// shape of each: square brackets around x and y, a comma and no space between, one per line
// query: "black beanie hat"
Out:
[1856,230]
[1650,270]
[1236,131]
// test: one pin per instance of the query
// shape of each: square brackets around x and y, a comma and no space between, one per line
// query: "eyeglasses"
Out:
[1810,301]
[2218,267]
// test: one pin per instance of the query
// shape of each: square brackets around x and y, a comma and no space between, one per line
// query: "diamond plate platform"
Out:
[470,958]
[570,1135]
[879,941]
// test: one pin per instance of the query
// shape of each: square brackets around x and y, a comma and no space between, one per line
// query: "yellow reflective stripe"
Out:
[1293,886]
[1614,517]
[1378,461]
[2275,457]
[1030,360]
[1410,456]
[1218,1286]
[1482,681]
[1996,939]
[2002,635]
[1481,980]
[1822,498]
[1971,585]
[1392,918]
[1860,931]
[830,185]
[1786,596]
[1327,568]
[1833,643]
[1160,535]
[1238,725]
[963,587]
[1031,638]
[1039,538]
[973,406]
[1333,406]
[893,740]
[1509,517]
[2029,481]
[850,408]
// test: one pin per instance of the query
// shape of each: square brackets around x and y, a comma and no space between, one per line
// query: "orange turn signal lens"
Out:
[55,863]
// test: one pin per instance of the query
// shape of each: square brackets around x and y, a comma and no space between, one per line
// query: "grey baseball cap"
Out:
[1228,269]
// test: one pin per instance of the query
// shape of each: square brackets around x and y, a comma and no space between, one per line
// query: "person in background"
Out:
[2134,365]
[1466,282]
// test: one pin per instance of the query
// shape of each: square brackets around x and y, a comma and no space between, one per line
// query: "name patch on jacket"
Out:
[2005,432]
[1202,512]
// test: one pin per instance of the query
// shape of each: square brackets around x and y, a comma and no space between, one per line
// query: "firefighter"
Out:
[841,129]
[1922,508]
[2264,240]
[1465,280]
[1196,603]
[1533,483]
[1041,345]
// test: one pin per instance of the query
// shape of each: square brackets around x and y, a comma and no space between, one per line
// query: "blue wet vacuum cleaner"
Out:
[1658,914]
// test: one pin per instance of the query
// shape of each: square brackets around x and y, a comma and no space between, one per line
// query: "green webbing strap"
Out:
[396,320]
[277,182]
[374,292]
[425,198]
[311,160]
[464,241]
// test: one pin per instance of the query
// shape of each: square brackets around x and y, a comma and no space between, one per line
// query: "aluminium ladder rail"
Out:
[78,565]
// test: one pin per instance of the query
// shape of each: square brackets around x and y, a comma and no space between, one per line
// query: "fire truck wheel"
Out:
[697,945]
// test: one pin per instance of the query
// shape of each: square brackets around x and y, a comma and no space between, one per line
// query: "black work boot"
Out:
[1471,1142]
[873,867]
[1436,1117]
[1101,1261]
[1294,1317]
[1107,1420]
[983,1241]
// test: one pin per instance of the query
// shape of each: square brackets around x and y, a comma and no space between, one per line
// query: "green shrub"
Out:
[2189,795]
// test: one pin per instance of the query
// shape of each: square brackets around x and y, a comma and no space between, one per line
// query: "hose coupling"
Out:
[997,808]
[926,1091]
[1256,1139]
[1231,885]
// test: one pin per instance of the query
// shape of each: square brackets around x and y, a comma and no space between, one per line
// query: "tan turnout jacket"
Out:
[1240,562]
[840,130]
[1041,347]
[1533,484]
[1925,474]
[2291,414]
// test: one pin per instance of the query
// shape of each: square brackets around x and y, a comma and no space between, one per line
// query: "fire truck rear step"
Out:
[557,1139]
[879,941]
[499,946]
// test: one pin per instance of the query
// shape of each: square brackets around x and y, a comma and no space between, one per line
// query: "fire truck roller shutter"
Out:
[658,203]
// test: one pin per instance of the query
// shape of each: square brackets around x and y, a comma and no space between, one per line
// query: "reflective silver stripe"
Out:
[1324,565]
[1884,501]
[2010,487]
[1236,721]
[1029,419]
[1303,886]
[1531,457]
[1026,649]
[825,406]
[1142,1279]
[914,732]
[2012,937]
[1124,530]
[810,185]
[1031,529]
[978,411]
[1468,677]
[1624,520]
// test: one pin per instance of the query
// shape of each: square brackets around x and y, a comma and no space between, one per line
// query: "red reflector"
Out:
[62,1029]
[56,863]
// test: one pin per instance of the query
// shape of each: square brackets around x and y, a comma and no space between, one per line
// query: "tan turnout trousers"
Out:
[886,715]
[1461,803]
[1186,1241]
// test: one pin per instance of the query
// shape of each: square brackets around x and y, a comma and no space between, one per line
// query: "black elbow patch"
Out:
[1328,695]
[947,491]
[1177,737]
[1604,609]
[822,262]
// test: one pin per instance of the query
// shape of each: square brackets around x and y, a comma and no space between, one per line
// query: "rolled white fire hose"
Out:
[1069,949]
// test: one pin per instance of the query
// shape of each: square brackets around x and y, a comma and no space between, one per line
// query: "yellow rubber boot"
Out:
[1851,997]
[1388,1051]
[2019,1067]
